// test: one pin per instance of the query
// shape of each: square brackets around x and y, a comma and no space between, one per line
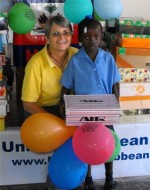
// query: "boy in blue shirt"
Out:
[91,71]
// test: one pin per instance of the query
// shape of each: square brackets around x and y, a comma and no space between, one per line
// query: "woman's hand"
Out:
[32,107]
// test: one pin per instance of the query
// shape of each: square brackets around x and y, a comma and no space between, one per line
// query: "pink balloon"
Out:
[93,143]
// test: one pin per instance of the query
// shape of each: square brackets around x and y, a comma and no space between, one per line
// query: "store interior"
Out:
[133,61]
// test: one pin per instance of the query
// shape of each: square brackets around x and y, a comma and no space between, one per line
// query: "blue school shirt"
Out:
[87,77]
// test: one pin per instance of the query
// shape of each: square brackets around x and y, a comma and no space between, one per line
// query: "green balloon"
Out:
[117,146]
[21,18]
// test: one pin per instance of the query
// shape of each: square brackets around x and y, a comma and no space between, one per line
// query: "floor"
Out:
[134,183]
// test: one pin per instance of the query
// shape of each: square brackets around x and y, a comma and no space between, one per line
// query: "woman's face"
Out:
[59,38]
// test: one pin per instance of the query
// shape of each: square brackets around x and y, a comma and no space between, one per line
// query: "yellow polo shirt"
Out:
[41,82]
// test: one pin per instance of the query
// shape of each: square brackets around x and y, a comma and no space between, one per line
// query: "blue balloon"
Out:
[76,10]
[65,170]
[108,9]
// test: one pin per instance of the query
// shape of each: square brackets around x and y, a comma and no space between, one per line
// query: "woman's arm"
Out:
[32,107]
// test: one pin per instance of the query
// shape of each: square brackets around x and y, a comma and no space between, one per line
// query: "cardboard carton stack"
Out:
[129,42]
[3,97]
[82,109]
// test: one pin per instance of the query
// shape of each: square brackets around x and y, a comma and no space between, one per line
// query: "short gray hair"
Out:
[59,20]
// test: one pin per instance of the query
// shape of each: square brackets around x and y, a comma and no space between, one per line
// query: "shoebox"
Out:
[133,63]
[134,95]
[133,57]
[134,74]
[133,40]
[132,25]
[82,109]
[132,51]
[127,41]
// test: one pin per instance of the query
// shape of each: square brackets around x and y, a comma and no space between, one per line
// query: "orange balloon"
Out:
[44,132]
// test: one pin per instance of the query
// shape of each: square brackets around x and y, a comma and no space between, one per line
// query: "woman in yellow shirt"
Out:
[41,89]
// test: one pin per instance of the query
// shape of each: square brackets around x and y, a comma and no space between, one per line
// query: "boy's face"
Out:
[91,39]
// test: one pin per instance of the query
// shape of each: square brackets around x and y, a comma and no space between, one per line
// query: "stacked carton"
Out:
[82,109]
[129,42]
[3,97]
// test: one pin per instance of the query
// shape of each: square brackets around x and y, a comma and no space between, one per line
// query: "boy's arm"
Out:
[115,90]
[64,91]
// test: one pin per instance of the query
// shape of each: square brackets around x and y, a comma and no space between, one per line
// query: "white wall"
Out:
[136,8]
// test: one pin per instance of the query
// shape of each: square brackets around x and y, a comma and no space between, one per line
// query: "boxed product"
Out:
[133,51]
[132,25]
[134,95]
[133,63]
[133,40]
[131,57]
[82,109]
[134,74]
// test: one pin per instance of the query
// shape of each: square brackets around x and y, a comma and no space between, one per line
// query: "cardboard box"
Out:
[132,25]
[132,51]
[134,75]
[133,63]
[82,109]
[134,95]
[133,40]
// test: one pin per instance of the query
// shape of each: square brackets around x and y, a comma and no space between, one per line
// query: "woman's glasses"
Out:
[57,34]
